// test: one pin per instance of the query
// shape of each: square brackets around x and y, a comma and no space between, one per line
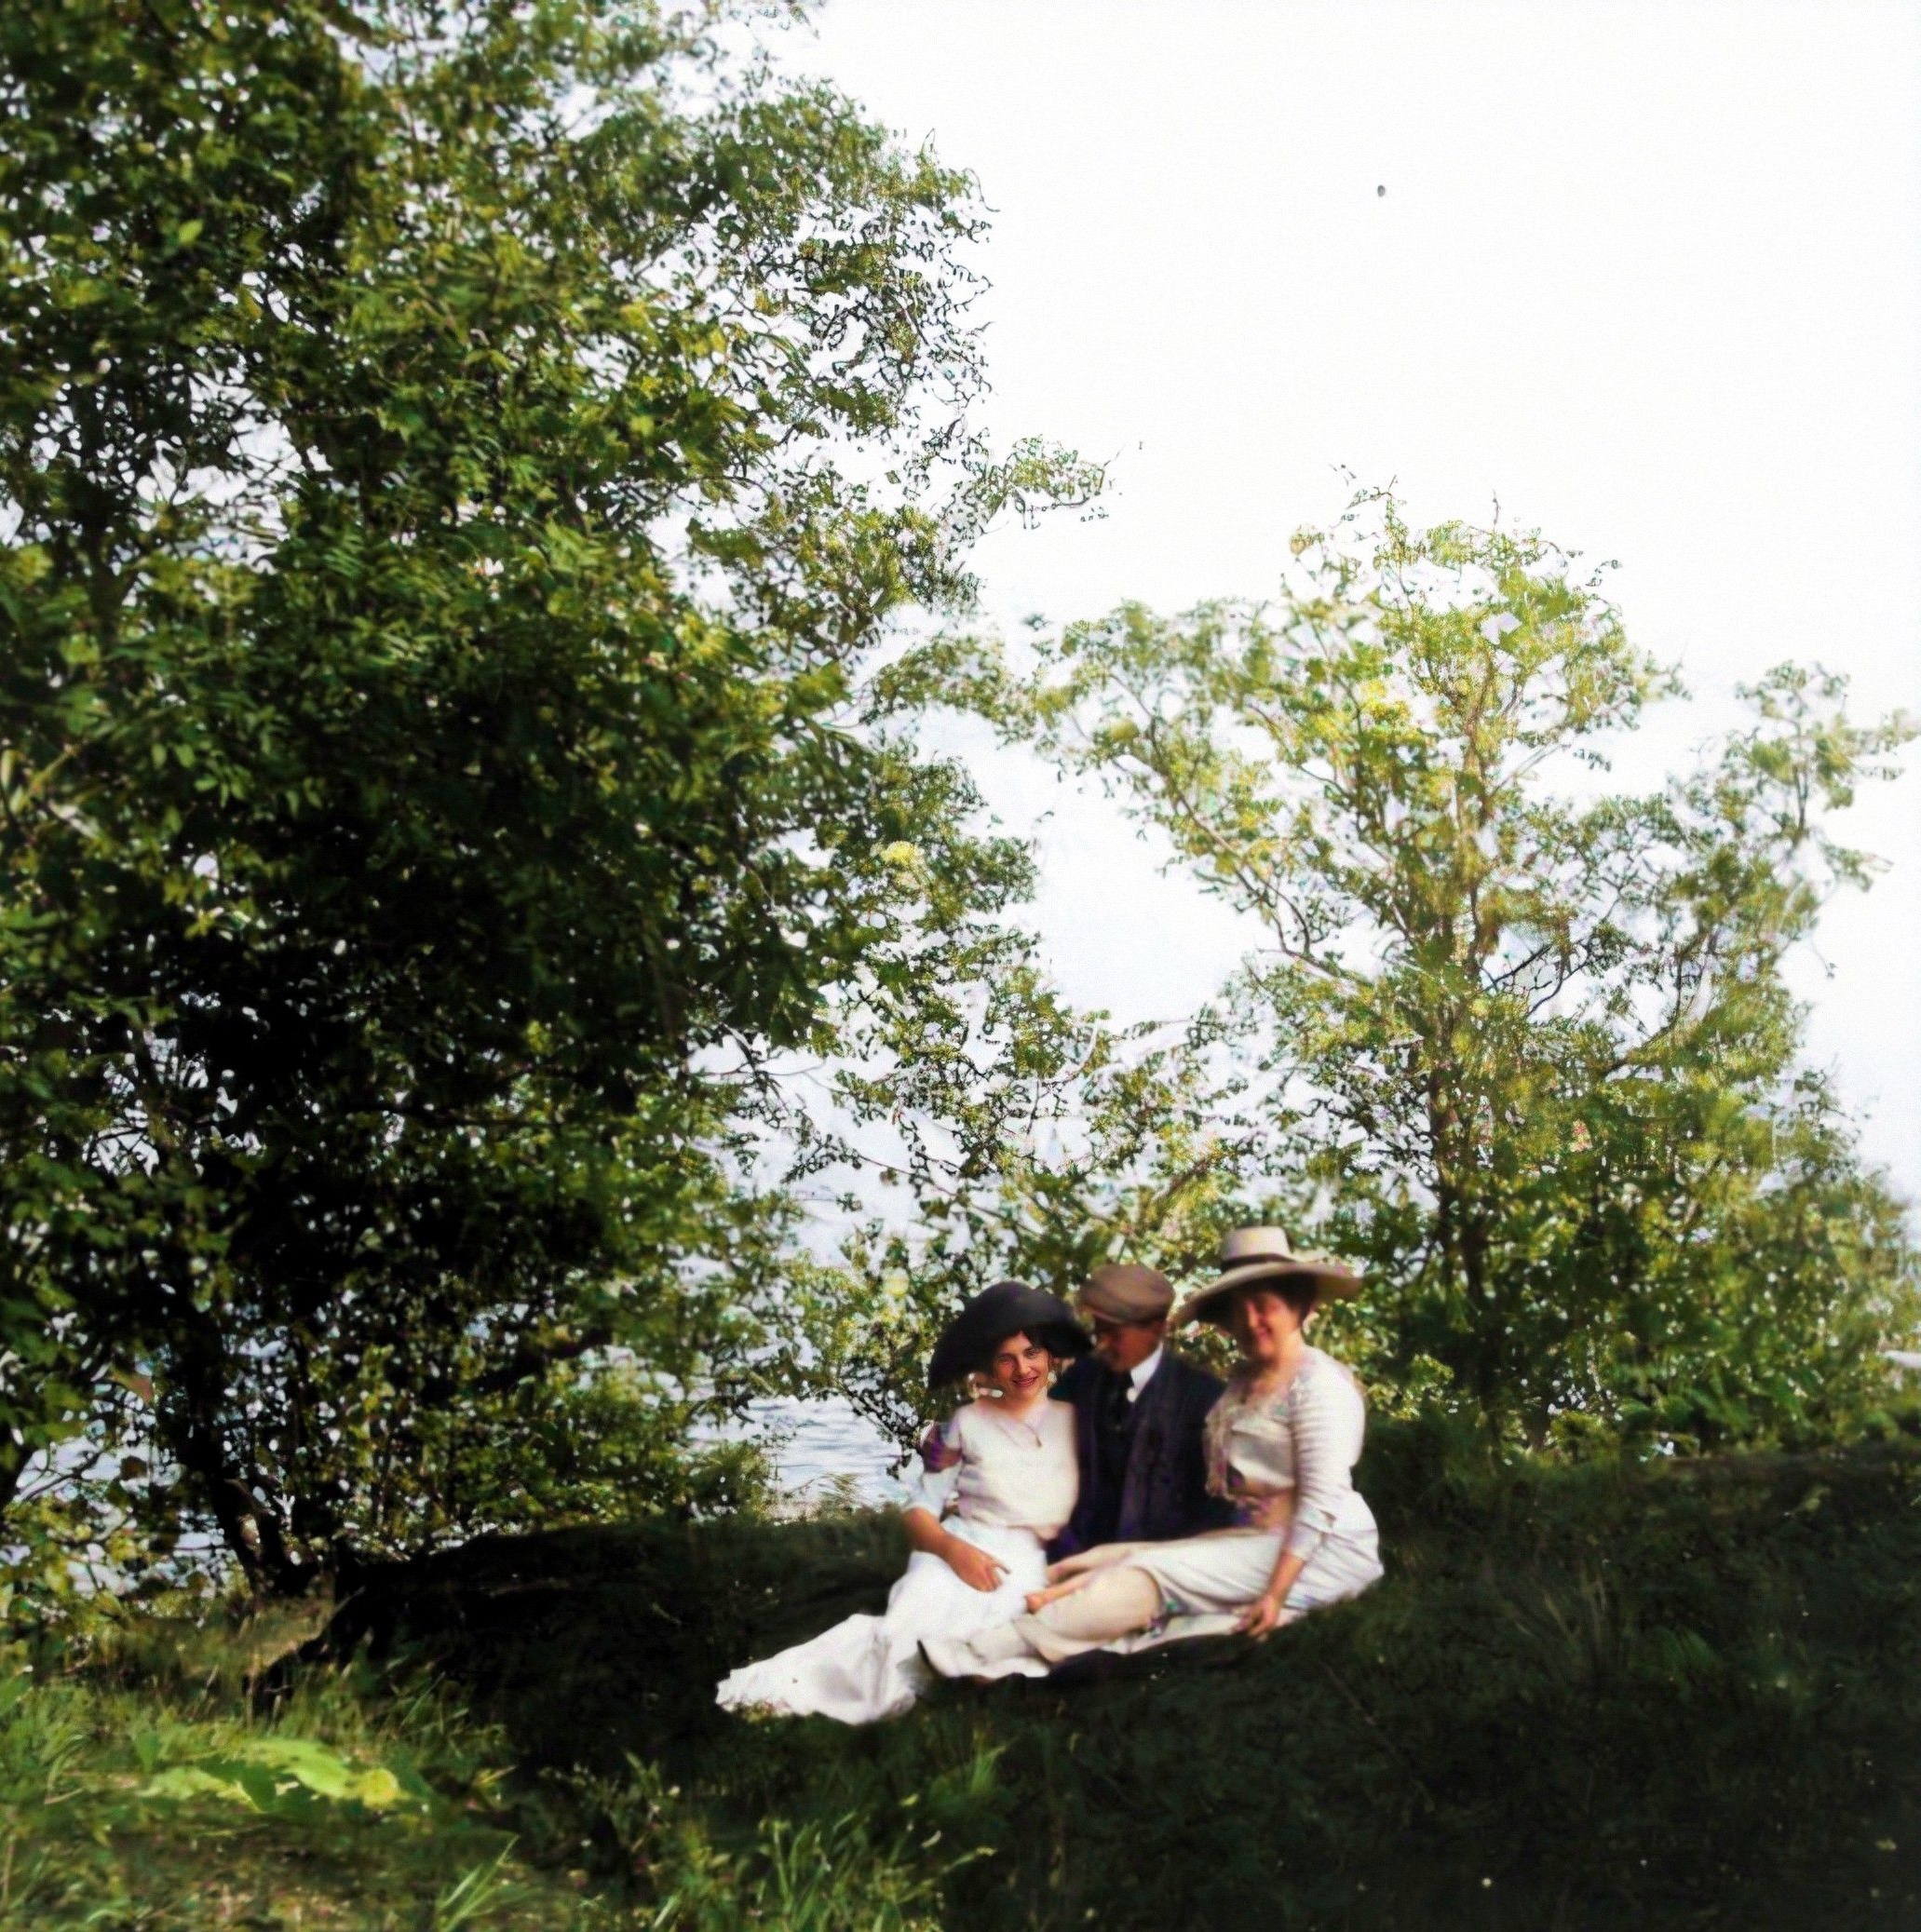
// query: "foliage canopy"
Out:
[457,468]
[452,463]
[1523,1044]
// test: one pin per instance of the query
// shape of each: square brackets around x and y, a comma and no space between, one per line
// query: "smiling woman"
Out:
[998,1480]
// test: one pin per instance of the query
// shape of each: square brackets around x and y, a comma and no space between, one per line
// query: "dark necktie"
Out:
[1115,1410]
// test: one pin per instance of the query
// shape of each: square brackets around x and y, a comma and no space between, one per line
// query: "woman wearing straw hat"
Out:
[1282,1444]
[999,1481]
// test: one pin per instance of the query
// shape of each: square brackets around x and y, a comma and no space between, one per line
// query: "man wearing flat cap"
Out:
[1138,1415]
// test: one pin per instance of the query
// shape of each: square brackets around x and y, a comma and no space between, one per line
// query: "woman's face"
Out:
[1019,1369]
[1263,1323]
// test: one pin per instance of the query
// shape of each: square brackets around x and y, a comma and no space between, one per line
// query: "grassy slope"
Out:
[1591,1697]
[1582,1699]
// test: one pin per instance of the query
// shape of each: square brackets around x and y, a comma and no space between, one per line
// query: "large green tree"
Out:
[454,464]
[1522,1041]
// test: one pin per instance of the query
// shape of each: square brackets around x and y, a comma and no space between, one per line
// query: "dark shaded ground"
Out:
[1679,1697]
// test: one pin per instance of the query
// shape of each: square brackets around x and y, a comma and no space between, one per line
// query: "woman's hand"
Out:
[970,1563]
[974,1566]
[1264,1614]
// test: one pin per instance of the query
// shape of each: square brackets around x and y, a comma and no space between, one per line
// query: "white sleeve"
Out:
[941,1457]
[1329,1421]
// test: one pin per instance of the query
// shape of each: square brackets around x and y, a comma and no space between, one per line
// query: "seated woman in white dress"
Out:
[999,1481]
[1282,1444]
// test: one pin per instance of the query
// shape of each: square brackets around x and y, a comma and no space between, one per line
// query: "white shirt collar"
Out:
[1142,1374]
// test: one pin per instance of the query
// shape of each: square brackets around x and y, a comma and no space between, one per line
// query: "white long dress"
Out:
[1002,1482]
[1307,1438]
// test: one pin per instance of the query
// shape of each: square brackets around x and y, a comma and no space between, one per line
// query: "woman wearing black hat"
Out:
[999,1481]
[1281,1446]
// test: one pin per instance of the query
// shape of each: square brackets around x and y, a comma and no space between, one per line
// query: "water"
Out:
[824,1450]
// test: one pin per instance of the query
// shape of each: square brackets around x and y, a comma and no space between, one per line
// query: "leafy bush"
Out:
[439,761]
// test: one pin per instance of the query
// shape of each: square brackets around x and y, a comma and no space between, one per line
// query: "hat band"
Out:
[1248,1263]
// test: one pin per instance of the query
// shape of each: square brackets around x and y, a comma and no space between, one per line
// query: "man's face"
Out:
[1126,1345]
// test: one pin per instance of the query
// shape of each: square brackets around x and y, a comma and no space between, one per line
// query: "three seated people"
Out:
[1171,1506]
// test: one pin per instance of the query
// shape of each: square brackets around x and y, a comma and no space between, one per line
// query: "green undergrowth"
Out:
[1583,1698]
[136,1793]
[153,1786]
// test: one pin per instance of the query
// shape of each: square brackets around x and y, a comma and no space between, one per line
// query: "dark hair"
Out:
[1296,1291]
[969,1342]
[1059,1343]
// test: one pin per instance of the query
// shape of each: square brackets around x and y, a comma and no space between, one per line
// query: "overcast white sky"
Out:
[1648,274]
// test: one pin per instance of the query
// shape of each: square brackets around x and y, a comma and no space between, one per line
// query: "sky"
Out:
[1648,276]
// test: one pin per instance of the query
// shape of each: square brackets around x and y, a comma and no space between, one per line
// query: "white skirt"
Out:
[867,1667]
[1206,1582]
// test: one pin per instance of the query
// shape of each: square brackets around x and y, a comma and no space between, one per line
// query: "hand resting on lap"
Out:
[973,1566]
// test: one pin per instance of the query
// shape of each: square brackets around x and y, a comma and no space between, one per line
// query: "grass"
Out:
[1587,1698]
[137,1799]
[133,1797]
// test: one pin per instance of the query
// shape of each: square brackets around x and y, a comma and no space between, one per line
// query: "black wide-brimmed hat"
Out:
[967,1342]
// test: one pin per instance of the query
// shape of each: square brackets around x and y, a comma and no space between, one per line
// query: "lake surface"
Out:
[822,1449]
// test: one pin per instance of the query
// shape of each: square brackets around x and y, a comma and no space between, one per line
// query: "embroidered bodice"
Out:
[1305,1438]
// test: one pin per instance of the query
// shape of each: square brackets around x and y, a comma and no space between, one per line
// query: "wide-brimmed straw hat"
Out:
[1262,1256]
[967,1342]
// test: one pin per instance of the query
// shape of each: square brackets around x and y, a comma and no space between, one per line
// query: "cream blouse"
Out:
[1307,1438]
[999,1470]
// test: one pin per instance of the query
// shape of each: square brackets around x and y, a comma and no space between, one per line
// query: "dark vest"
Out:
[1143,1469]
[1113,1439]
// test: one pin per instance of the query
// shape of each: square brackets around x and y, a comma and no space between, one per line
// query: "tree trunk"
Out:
[1490,1341]
[249,1526]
